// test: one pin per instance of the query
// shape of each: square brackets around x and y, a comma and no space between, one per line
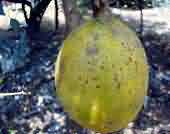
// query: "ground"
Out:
[41,111]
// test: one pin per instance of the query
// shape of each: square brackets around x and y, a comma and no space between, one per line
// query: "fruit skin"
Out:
[101,75]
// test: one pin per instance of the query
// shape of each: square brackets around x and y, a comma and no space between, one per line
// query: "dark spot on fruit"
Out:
[130,92]
[107,57]
[90,69]
[86,82]
[116,80]
[92,50]
[128,62]
[124,45]
[121,68]
[115,77]
[94,78]
[136,65]
[102,67]
[113,66]
[97,86]
[78,110]
[62,66]
[130,59]
[88,62]
[118,85]
[96,36]
[131,106]
[108,124]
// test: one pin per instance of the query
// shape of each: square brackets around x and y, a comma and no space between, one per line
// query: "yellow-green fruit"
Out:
[101,75]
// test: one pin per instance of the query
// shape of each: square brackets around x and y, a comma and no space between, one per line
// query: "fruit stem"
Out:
[98,7]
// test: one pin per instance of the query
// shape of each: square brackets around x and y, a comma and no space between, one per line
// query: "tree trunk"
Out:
[36,15]
[72,14]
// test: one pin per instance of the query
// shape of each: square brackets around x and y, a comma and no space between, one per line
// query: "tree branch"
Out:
[36,15]
[14,94]
[72,14]
[56,14]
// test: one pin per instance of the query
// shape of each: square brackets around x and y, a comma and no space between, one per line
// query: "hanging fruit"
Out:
[101,74]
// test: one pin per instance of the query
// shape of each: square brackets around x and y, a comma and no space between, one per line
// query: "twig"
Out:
[140,4]
[14,94]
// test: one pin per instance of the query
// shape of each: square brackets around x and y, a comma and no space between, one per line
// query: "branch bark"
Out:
[72,14]
[56,14]
[36,15]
